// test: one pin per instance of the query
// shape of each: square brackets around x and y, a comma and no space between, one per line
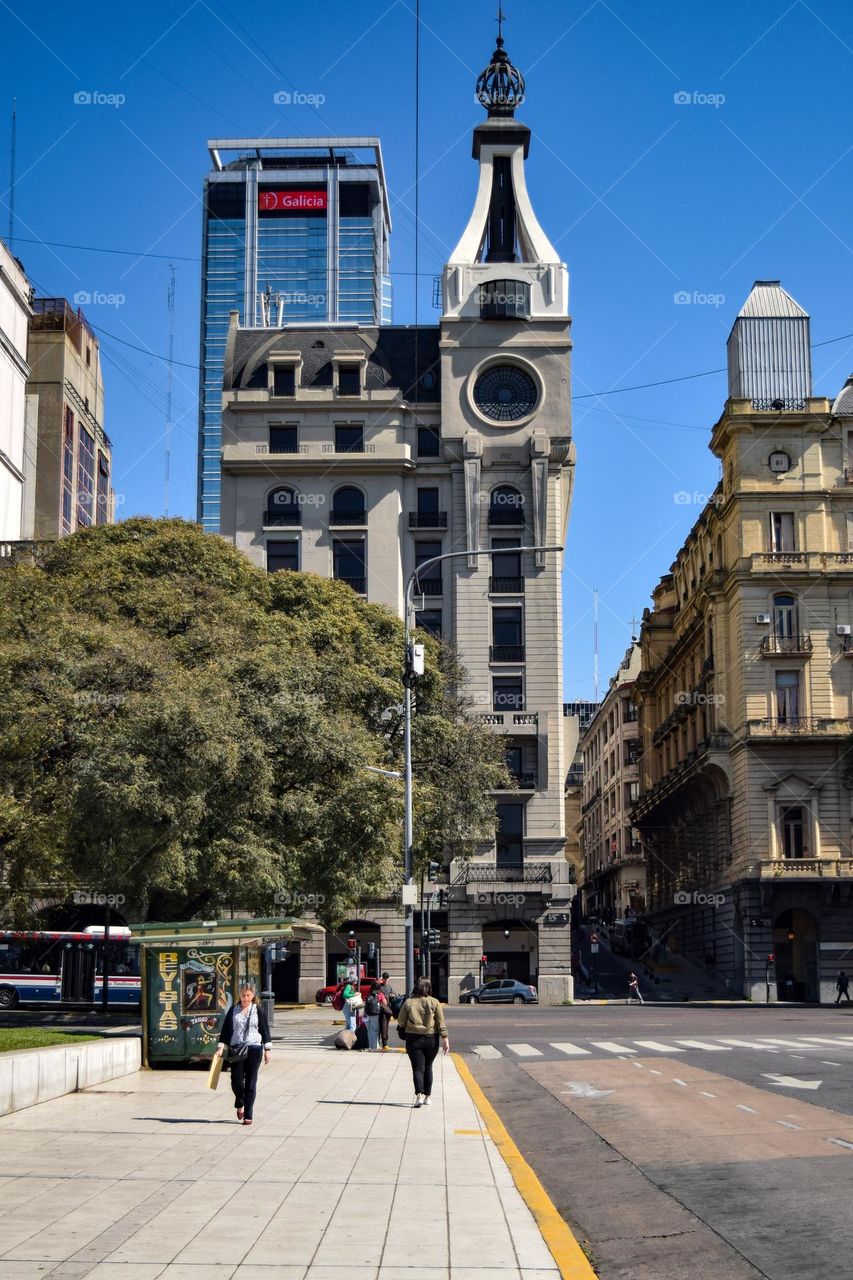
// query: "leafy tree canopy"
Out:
[185,730]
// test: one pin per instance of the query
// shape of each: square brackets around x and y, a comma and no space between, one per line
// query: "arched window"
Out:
[506,506]
[348,506]
[785,625]
[283,508]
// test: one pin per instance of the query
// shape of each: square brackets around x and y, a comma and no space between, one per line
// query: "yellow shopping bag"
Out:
[215,1070]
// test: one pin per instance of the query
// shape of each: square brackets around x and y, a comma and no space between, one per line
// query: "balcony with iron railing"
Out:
[523,780]
[428,587]
[506,653]
[427,519]
[501,586]
[287,515]
[355,519]
[786,646]
[531,873]
[800,727]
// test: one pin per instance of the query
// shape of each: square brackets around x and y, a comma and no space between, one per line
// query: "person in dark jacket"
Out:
[245,1024]
[386,1010]
[421,1020]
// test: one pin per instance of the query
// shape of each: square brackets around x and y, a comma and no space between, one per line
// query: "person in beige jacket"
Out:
[421,1024]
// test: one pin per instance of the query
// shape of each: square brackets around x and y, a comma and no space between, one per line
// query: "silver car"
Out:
[503,991]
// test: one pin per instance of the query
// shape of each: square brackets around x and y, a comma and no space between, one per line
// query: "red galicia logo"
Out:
[307,200]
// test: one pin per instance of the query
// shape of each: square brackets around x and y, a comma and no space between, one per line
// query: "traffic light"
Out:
[417,953]
[433,939]
[484,959]
[433,870]
[371,950]
[351,942]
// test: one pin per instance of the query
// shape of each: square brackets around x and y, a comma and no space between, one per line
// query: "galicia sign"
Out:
[308,201]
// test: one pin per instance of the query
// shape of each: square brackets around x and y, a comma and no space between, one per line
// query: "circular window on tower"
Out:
[505,393]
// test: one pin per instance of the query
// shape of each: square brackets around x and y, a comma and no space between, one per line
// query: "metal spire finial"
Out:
[501,21]
[500,88]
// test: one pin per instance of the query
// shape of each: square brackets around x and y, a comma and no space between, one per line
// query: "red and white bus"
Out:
[53,967]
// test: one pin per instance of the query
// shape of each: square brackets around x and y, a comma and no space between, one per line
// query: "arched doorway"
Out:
[511,950]
[367,936]
[795,945]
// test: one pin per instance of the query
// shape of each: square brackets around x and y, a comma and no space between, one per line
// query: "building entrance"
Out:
[795,945]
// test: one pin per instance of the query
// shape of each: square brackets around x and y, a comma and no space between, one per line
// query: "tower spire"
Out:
[500,88]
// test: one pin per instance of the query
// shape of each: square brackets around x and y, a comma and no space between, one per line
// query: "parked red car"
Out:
[325,995]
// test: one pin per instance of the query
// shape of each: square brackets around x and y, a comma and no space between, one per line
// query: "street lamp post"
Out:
[408,865]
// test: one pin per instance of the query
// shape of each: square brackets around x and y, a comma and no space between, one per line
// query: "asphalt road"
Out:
[681,1142]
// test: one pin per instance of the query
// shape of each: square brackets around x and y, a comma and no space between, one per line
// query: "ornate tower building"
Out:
[361,452]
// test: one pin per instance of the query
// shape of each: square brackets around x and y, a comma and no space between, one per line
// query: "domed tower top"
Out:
[500,88]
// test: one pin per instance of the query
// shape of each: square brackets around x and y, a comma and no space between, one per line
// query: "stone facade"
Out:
[380,447]
[15,454]
[746,684]
[614,873]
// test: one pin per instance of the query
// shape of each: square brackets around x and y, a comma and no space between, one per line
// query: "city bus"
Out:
[66,968]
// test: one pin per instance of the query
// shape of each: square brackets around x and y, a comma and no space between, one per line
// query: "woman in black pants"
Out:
[246,1033]
[421,1023]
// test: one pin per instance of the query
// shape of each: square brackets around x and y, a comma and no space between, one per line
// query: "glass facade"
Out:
[306,230]
[68,471]
[85,478]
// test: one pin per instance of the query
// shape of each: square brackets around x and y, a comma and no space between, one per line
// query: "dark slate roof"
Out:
[843,406]
[390,352]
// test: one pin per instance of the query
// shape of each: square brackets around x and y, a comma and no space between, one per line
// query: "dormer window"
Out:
[349,380]
[283,373]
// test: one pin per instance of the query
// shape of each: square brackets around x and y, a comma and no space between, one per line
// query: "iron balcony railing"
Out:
[506,586]
[427,519]
[358,585]
[495,872]
[507,515]
[799,644]
[824,726]
[283,515]
[521,782]
[428,587]
[506,653]
[339,517]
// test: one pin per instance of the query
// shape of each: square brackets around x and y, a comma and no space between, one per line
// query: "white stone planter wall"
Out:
[28,1076]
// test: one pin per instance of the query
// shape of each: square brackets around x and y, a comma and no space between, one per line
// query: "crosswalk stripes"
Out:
[719,1044]
[303,1040]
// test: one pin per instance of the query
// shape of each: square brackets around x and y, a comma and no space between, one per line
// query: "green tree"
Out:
[190,732]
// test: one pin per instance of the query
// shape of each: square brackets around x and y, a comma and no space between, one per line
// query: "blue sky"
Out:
[646,194]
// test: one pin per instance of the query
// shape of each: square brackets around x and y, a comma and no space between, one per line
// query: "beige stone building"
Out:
[614,873]
[17,441]
[359,452]
[746,684]
[73,481]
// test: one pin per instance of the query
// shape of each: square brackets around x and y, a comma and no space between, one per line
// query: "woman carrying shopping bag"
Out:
[421,1024]
[246,1035]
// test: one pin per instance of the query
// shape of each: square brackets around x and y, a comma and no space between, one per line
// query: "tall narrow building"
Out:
[295,231]
[361,452]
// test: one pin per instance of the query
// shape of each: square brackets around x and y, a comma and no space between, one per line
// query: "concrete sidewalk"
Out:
[150,1178]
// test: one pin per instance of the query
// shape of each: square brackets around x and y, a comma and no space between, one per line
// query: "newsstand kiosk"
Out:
[192,972]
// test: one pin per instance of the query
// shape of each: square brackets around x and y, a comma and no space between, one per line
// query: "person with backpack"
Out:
[245,1035]
[387,995]
[421,1024]
[372,1014]
[344,994]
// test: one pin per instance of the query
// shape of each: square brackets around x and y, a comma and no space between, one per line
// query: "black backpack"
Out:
[371,1005]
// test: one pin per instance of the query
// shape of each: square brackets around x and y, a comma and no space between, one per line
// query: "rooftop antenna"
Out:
[13,159]
[595,645]
[170,302]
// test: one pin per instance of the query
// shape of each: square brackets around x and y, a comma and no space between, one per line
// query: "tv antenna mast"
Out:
[13,160]
[170,303]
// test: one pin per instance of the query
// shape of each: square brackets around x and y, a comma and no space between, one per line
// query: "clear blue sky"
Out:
[645,197]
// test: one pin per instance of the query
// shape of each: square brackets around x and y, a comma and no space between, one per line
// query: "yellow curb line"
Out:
[567,1253]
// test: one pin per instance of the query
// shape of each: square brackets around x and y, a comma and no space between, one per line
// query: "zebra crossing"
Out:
[627,1048]
[303,1038]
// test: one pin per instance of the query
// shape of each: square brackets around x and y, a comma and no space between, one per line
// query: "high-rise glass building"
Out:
[296,230]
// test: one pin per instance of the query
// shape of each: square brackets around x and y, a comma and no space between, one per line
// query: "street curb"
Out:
[570,1258]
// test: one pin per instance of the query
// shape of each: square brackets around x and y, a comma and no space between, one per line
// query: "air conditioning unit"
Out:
[843,629]
[763,619]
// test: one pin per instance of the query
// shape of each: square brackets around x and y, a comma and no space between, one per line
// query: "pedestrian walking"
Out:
[634,992]
[386,992]
[372,1014]
[421,1024]
[349,993]
[245,1035]
[841,986]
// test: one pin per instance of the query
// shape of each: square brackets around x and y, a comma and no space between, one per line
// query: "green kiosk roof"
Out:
[229,932]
